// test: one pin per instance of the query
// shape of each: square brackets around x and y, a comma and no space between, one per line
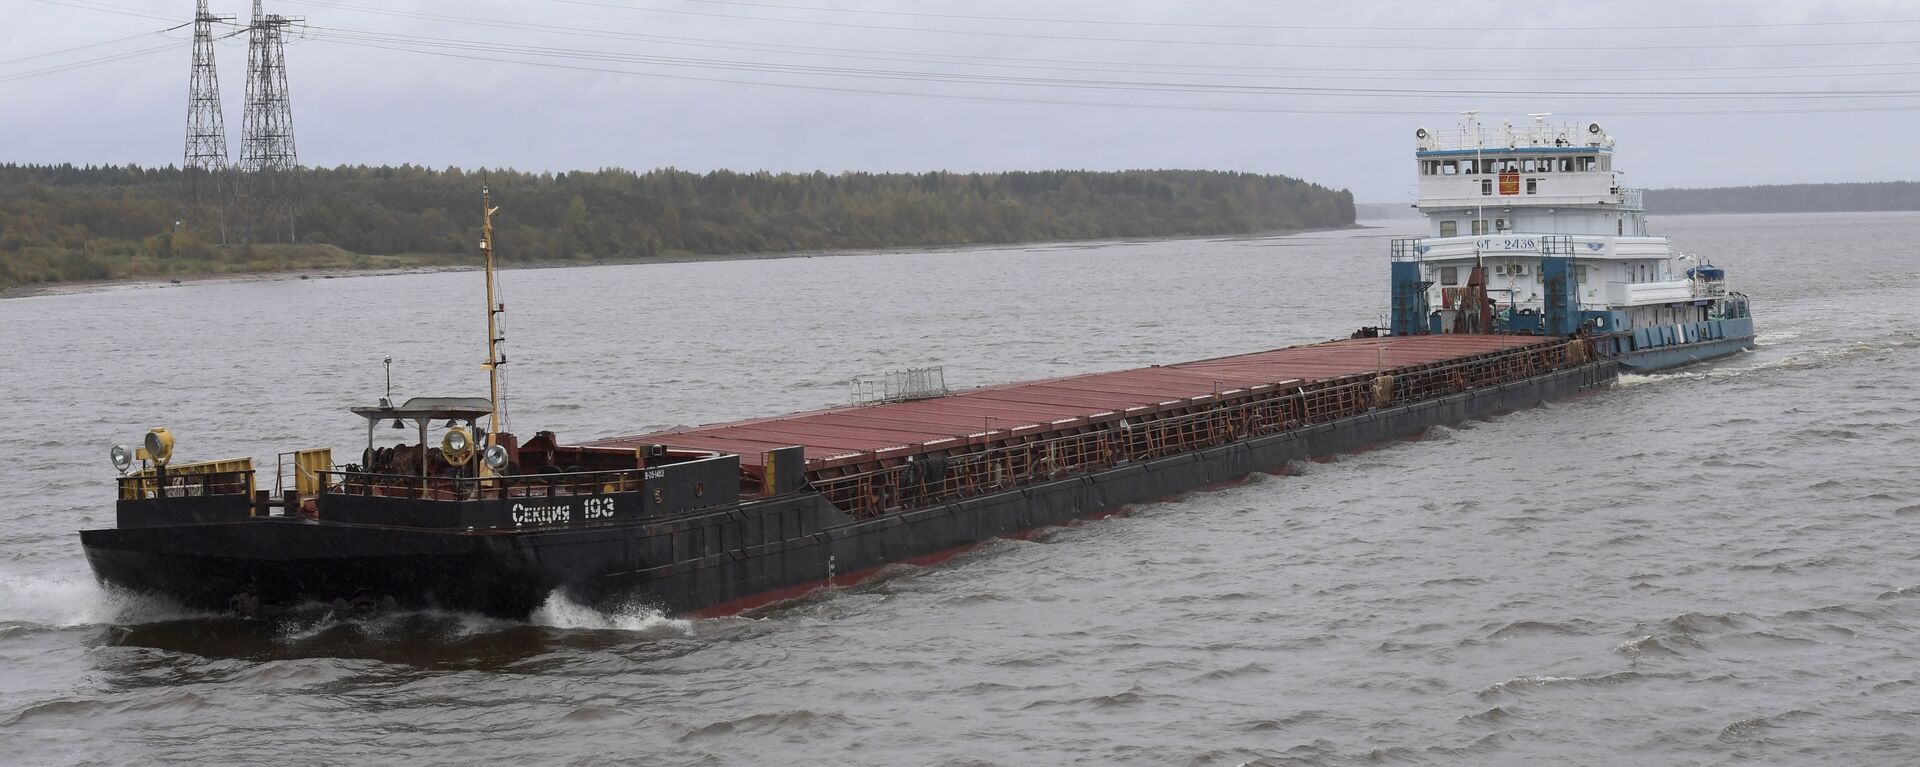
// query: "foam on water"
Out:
[80,601]
[562,613]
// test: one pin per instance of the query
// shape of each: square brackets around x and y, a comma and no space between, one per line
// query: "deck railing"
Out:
[359,483]
[935,478]
[1405,249]
[900,386]
[186,484]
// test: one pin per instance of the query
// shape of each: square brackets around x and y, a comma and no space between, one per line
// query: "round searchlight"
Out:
[1593,128]
[122,457]
[496,457]
[457,446]
[159,444]
[1420,133]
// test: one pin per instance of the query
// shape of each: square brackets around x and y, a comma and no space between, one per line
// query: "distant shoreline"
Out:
[1841,197]
[144,282]
[95,223]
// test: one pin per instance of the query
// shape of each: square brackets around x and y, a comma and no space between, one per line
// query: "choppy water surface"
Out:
[1706,567]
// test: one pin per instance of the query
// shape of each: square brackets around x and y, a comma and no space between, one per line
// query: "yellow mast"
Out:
[494,359]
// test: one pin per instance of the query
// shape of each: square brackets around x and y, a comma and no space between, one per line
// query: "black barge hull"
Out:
[717,561]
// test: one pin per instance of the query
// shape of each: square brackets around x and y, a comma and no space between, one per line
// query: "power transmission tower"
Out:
[266,152]
[205,163]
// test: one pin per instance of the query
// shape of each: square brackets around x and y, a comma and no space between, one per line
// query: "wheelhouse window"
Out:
[1449,228]
[1449,275]
[1450,168]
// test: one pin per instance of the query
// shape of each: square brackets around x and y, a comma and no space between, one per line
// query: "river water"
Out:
[1710,566]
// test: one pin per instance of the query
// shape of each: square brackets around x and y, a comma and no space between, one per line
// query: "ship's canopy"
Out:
[430,408]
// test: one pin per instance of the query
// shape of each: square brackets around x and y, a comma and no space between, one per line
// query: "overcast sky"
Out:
[1327,91]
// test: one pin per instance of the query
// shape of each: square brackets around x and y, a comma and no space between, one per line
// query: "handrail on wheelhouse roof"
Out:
[430,408]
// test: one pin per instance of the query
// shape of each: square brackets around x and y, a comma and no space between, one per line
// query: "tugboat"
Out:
[1535,219]
[720,518]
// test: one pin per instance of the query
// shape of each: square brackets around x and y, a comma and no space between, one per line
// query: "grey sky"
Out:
[365,91]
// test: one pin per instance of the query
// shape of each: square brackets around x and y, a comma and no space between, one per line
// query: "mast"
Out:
[494,358]
[1479,167]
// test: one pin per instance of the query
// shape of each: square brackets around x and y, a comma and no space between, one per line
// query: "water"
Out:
[1712,566]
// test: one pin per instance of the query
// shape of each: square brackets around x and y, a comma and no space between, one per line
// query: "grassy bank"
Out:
[66,223]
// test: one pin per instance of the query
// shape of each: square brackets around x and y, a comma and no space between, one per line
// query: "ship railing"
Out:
[1456,138]
[1709,288]
[937,478]
[900,386]
[367,484]
[1507,137]
[186,484]
[1632,199]
[1405,249]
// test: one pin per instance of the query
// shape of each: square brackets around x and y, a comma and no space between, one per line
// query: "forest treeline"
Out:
[1787,198]
[64,222]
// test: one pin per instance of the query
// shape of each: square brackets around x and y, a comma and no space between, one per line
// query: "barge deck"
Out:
[850,435]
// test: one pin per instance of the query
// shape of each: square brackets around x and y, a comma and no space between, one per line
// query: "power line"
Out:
[411,41]
[1562,48]
[1300,27]
[650,58]
[58,68]
[88,5]
[493,57]
[1224,43]
[93,45]
[890,55]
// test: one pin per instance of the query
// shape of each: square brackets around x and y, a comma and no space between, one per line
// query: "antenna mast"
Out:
[495,358]
[1480,168]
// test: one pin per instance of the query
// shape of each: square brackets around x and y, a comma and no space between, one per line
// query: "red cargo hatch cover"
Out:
[845,434]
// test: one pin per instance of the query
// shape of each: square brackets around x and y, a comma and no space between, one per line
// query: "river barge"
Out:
[718,518]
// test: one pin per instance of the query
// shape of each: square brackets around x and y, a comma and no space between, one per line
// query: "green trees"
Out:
[66,222]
